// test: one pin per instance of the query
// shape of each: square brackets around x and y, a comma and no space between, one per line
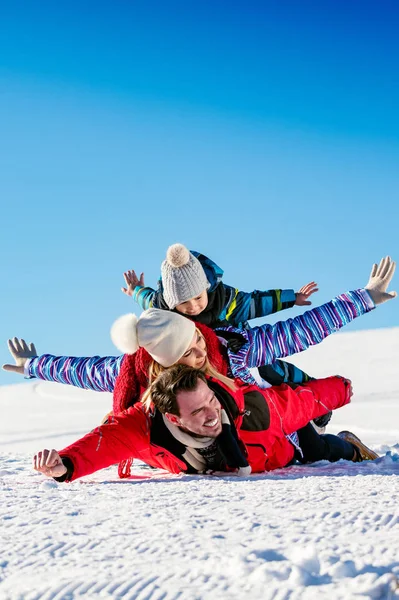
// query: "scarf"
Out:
[226,443]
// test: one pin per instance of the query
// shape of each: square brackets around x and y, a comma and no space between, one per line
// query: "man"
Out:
[198,424]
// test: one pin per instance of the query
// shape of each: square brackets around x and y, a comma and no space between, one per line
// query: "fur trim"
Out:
[177,255]
[124,334]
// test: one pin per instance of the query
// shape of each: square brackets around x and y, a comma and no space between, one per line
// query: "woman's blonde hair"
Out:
[155,369]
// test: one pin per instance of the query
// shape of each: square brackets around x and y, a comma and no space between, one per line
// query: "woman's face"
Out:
[195,355]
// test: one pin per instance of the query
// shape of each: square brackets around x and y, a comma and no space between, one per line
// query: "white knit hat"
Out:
[183,277]
[165,335]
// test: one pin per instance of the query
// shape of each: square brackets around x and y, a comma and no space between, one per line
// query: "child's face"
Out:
[195,306]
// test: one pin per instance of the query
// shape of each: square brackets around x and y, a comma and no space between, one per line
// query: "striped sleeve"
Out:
[94,373]
[269,342]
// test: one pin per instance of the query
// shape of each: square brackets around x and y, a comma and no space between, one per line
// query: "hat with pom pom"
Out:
[165,335]
[183,277]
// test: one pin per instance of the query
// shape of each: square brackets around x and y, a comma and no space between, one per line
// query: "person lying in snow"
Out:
[190,422]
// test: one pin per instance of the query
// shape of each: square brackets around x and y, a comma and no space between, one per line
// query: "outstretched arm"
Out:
[91,373]
[243,306]
[268,342]
[104,446]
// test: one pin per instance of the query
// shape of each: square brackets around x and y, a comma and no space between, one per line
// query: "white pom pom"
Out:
[177,255]
[124,334]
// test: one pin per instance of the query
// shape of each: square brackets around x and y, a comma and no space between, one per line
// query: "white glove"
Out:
[20,352]
[380,278]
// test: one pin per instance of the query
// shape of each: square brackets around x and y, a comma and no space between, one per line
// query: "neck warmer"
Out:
[225,441]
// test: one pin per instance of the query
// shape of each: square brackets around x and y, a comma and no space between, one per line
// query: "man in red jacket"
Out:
[200,424]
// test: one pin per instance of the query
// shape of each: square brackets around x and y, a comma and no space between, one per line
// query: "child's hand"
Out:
[304,293]
[49,462]
[21,352]
[132,281]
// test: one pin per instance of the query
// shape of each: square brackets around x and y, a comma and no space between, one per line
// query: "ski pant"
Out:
[322,447]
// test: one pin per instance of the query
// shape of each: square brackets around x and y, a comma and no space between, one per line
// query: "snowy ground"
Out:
[320,531]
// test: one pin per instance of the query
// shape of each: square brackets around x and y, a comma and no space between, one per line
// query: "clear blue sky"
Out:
[265,134]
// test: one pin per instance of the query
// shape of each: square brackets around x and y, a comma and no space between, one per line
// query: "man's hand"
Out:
[380,277]
[49,462]
[132,281]
[304,293]
[21,352]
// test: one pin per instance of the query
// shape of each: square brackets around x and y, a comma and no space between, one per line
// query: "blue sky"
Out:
[264,134]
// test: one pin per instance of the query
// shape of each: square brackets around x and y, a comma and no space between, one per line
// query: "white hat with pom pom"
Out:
[165,335]
[183,277]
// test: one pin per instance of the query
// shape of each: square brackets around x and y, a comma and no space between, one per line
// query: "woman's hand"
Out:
[21,352]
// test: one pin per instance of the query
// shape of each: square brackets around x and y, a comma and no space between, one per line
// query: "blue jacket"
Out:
[226,305]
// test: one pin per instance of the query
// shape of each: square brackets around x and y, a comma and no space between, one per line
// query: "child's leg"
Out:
[323,447]
[282,372]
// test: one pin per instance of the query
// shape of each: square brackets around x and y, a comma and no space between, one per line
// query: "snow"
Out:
[316,531]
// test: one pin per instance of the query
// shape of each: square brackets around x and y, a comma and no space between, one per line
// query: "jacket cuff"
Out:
[27,373]
[69,473]
[363,293]
[136,292]
[288,297]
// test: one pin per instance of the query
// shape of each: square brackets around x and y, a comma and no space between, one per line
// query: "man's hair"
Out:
[164,390]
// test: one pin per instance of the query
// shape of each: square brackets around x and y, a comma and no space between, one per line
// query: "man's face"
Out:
[200,411]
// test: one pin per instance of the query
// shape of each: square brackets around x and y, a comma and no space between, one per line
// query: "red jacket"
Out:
[273,413]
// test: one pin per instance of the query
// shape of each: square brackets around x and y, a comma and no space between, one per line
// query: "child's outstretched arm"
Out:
[243,306]
[92,373]
[144,296]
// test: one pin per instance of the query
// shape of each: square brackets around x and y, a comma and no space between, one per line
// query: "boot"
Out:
[362,451]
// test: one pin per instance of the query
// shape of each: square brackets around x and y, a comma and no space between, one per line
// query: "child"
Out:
[192,285]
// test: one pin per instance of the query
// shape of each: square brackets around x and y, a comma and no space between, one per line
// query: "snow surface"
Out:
[320,531]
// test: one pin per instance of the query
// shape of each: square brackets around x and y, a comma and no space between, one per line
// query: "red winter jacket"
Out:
[273,413]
